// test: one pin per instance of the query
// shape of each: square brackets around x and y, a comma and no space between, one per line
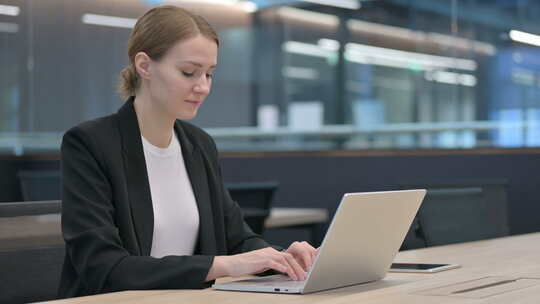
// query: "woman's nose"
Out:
[203,85]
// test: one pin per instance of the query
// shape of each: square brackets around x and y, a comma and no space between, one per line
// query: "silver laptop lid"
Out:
[363,238]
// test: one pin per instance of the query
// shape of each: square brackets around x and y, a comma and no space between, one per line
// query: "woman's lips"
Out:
[193,102]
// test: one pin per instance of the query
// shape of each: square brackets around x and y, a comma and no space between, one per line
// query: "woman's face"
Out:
[180,81]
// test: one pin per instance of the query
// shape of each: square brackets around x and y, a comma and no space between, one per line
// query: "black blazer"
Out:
[107,214]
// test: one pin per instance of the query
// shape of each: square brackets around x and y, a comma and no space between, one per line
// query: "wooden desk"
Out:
[517,256]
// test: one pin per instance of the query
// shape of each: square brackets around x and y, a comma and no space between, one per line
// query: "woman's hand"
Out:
[303,253]
[257,261]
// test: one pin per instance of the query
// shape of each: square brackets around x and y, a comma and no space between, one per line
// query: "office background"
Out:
[324,99]
[311,99]
[293,75]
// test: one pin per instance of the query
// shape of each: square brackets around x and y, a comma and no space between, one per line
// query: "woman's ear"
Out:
[142,65]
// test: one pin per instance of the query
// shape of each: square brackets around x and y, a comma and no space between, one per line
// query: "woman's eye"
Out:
[209,75]
[188,74]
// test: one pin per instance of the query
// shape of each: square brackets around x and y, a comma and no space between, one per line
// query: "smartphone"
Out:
[420,267]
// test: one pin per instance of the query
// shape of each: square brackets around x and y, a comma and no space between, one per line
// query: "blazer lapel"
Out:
[136,175]
[196,169]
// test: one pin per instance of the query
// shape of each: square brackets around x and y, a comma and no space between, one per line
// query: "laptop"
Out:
[359,246]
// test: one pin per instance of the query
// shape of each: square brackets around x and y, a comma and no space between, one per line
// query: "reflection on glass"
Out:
[389,74]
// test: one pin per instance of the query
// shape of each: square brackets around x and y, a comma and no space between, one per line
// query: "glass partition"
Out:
[292,75]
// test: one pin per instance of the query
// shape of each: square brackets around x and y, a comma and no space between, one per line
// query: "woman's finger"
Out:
[304,253]
[277,261]
[271,264]
[304,257]
[299,272]
[311,252]
[313,256]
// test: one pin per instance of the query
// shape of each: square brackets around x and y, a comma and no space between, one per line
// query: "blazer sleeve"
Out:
[93,243]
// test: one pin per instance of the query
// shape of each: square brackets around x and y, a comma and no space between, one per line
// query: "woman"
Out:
[144,206]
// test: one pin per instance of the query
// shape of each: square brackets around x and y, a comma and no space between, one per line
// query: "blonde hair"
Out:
[155,33]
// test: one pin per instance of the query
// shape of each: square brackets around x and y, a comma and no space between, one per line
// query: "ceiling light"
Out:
[366,53]
[524,37]
[350,4]
[329,44]
[247,6]
[308,49]
[451,78]
[9,10]
[111,21]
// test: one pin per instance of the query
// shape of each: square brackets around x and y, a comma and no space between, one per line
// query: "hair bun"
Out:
[128,82]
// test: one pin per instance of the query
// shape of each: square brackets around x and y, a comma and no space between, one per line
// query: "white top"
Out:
[176,216]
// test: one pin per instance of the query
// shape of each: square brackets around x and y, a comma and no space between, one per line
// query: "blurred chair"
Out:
[31,251]
[40,185]
[255,199]
[455,212]
[415,237]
